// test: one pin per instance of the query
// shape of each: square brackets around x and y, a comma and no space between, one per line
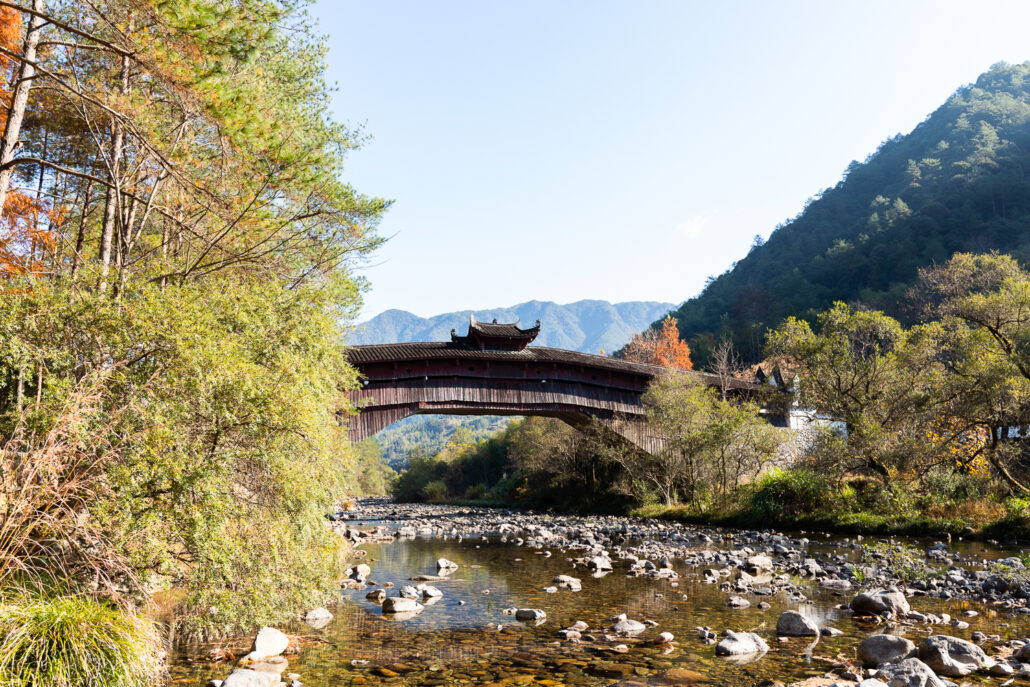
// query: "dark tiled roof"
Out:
[379,353]
[509,330]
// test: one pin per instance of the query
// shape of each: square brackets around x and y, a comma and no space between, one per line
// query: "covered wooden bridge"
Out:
[492,370]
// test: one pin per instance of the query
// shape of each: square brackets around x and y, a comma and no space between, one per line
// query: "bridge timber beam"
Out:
[465,377]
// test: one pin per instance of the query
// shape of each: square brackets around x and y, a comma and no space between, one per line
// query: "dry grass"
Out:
[47,483]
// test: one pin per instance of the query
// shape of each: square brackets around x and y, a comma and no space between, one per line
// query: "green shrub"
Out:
[789,493]
[75,641]
[435,491]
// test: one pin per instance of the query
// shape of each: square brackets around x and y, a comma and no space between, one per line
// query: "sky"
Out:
[622,150]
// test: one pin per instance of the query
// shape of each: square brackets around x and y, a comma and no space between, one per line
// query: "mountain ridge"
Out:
[588,326]
[957,182]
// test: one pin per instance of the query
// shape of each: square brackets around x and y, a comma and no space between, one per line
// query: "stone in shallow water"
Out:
[740,643]
[953,657]
[880,601]
[401,604]
[573,584]
[530,614]
[243,677]
[793,624]
[909,673]
[629,627]
[877,649]
[268,642]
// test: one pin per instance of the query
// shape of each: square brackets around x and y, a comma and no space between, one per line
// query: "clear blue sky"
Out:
[625,150]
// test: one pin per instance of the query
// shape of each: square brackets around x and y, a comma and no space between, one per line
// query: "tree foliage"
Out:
[955,183]
[177,243]
[661,346]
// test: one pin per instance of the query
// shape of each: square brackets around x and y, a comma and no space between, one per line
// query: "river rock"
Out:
[880,601]
[910,672]
[244,677]
[267,643]
[759,564]
[877,649]
[600,563]
[628,627]
[573,584]
[444,564]
[738,602]
[401,604]
[318,614]
[953,657]
[408,592]
[793,624]
[664,638]
[530,614]
[740,643]
[430,592]
[376,596]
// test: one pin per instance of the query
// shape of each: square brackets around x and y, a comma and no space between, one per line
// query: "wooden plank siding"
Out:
[442,378]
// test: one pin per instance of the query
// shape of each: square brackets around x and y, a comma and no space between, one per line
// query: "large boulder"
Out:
[740,643]
[244,677]
[400,604]
[953,657]
[909,673]
[267,643]
[879,649]
[793,624]
[880,601]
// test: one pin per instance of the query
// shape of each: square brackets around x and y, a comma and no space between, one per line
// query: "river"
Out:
[466,638]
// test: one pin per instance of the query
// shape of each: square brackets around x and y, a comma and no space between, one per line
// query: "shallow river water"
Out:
[466,639]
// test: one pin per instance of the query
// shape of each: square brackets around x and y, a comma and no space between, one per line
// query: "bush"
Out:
[75,641]
[789,493]
[435,492]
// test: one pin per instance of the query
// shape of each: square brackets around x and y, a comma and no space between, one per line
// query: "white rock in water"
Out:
[242,677]
[318,614]
[444,564]
[663,638]
[400,604]
[629,627]
[268,642]
[573,584]
[430,592]
[529,614]
[740,643]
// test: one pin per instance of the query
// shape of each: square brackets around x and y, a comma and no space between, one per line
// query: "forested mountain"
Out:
[588,326]
[958,182]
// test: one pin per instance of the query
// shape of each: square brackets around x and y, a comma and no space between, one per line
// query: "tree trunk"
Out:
[112,198]
[19,100]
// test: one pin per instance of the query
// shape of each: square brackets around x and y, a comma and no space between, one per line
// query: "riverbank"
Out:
[1008,528]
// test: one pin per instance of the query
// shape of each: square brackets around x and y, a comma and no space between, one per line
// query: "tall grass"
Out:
[75,641]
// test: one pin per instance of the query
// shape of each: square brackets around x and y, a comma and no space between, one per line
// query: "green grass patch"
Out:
[74,641]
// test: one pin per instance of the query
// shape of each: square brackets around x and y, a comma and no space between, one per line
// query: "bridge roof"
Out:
[397,352]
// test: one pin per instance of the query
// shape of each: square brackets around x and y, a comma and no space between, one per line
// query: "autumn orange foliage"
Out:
[25,237]
[662,347]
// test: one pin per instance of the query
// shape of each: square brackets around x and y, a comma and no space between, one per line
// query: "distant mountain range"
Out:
[587,326]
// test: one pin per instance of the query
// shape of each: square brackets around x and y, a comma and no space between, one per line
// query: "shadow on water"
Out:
[465,638]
